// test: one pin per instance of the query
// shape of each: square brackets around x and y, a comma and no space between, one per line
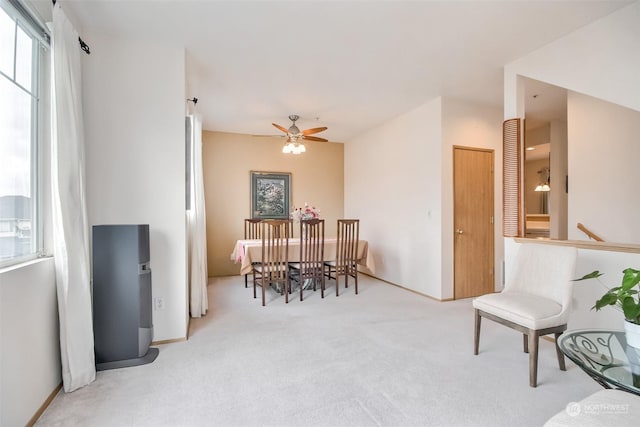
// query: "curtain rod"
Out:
[36,27]
[83,45]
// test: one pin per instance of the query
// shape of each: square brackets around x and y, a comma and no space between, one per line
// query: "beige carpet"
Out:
[386,357]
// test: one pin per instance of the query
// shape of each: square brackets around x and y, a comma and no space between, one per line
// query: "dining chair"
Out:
[535,300]
[310,269]
[251,231]
[291,227]
[346,262]
[273,267]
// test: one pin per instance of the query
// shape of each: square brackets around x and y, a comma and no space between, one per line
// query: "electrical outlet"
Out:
[158,303]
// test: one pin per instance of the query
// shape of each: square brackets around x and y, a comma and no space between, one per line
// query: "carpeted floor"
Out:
[386,357]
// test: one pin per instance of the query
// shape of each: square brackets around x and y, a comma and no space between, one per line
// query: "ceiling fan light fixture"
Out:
[288,148]
[293,148]
[295,137]
[296,148]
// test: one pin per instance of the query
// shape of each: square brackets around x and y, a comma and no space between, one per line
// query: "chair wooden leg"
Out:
[322,285]
[559,353]
[337,283]
[246,284]
[355,277]
[476,331]
[254,284]
[287,289]
[533,358]
[263,286]
[525,343]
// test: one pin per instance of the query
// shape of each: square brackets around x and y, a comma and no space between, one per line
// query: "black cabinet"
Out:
[122,301]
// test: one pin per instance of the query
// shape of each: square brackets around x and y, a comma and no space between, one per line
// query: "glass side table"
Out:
[605,356]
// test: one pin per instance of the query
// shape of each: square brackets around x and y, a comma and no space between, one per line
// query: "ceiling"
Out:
[347,65]
[544,103]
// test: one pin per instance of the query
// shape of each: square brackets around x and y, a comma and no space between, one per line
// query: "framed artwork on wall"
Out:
[270,195]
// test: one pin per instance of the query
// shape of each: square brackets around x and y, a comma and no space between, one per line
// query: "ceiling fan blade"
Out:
[314,138]
[313,130]
[283,129]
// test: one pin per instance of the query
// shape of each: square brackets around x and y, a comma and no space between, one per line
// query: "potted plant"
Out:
[626,298]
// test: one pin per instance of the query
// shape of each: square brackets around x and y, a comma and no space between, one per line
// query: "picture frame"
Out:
[270,195]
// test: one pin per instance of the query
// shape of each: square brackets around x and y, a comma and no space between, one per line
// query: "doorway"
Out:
[545,161]
[473,220]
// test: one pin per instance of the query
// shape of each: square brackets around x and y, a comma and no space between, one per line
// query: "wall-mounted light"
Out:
[545,179]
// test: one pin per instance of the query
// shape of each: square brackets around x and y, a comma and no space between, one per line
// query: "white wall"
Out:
[30,368]
[134,95]
[392,177]
[469,125]
[600,59]
[399,182]
[603,169]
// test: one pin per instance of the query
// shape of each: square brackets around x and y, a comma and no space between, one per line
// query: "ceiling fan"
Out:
[294,134]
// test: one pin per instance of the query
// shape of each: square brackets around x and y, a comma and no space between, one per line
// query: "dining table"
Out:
[245,252]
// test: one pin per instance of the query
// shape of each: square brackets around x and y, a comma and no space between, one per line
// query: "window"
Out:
[19,117]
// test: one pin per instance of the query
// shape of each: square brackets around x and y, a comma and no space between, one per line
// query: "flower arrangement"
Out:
[305,213]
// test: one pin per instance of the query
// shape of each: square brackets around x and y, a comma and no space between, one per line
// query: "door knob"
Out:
[459,231]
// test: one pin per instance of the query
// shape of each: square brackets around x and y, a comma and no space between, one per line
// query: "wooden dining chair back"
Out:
[252,228]
[251,231]
[291,227]
[273,268]
[310,269]
[346,262]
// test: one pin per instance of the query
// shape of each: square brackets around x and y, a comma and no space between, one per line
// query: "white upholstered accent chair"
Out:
[535,300]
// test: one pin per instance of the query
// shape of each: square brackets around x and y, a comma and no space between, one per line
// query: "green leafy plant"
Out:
[625,297]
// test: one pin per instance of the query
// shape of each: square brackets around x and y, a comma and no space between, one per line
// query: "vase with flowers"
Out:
[305,213]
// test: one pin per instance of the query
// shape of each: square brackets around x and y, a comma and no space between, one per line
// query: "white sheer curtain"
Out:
[70,229]
[196,221]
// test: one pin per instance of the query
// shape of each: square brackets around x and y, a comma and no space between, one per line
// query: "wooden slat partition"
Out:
[512,218]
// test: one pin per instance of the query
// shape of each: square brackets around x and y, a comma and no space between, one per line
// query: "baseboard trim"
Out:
[407,289]
[173,340]
[44,406]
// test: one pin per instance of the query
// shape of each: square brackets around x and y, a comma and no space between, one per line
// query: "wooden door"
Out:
[473,222]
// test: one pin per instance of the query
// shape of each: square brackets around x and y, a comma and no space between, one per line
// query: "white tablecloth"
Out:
[246,252]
